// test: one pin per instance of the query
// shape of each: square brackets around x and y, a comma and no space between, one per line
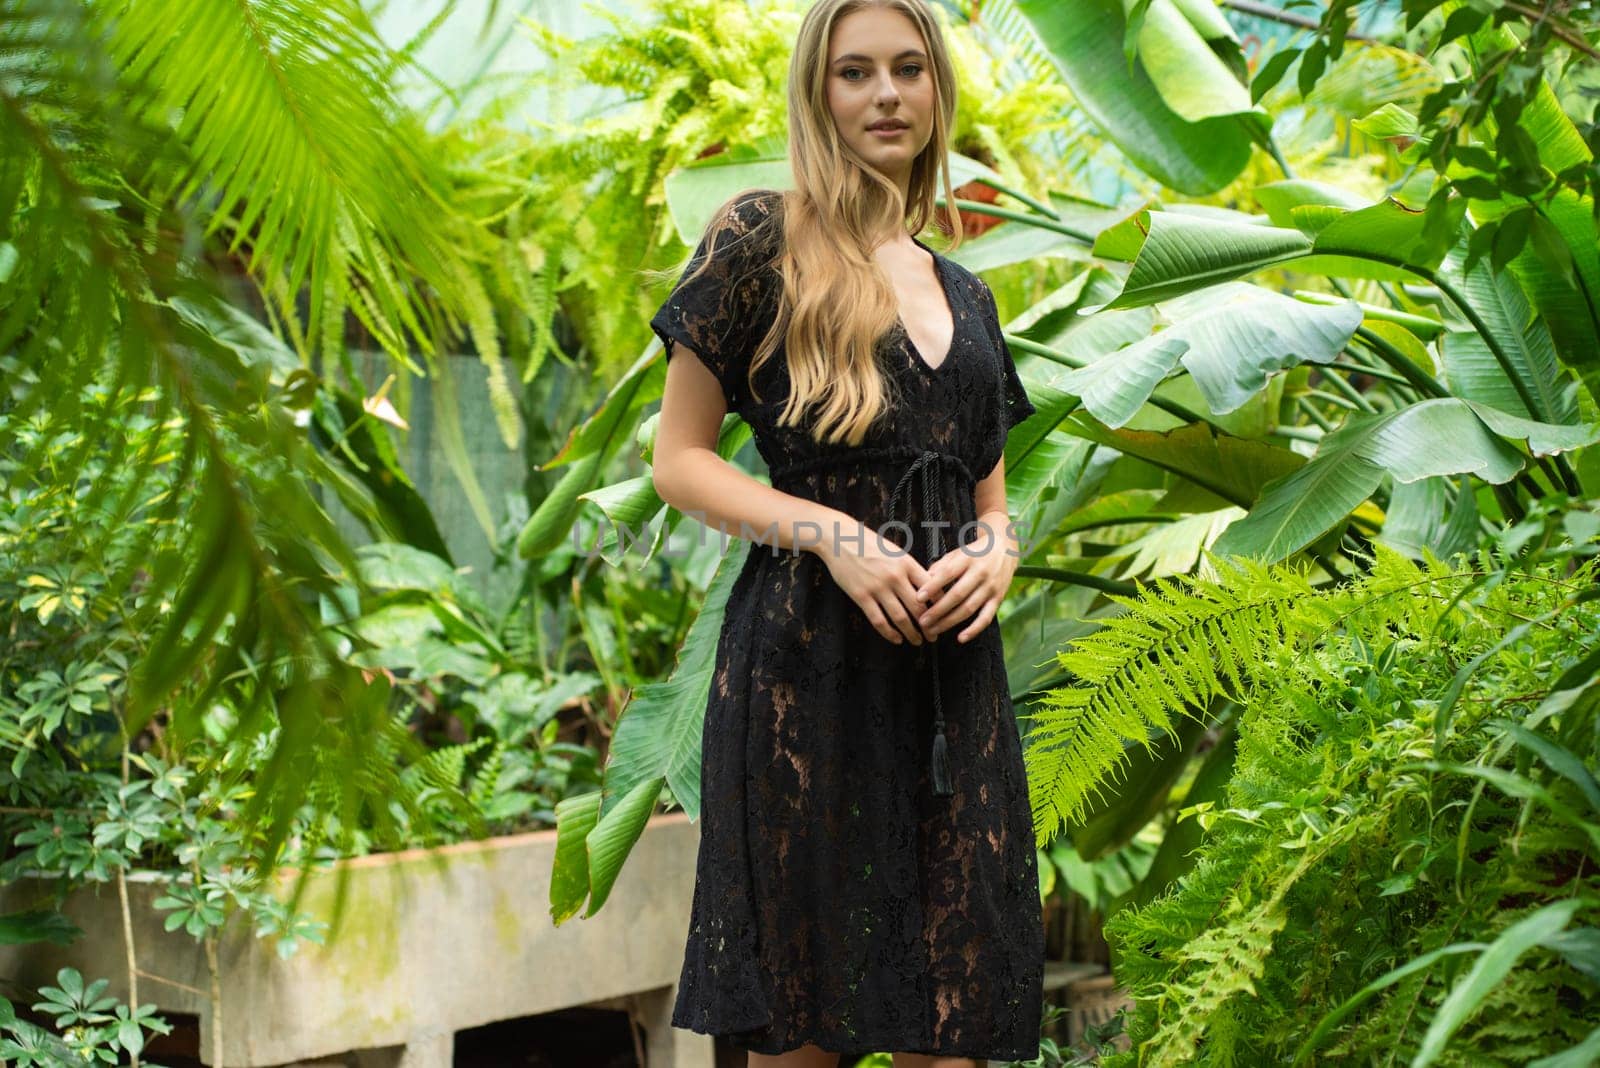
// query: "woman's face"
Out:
[880,89]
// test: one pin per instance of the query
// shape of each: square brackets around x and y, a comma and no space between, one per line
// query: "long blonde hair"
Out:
[837,303]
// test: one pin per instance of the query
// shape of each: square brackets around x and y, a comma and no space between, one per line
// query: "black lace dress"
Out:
[841,897]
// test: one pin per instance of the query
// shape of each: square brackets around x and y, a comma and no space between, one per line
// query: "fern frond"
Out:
[1182,644]
[1337,888]
[443,768]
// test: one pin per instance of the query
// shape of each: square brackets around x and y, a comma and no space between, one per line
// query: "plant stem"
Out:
[127,920]
[1022,344]
[1311,411]
[1278,158]
[1345,389]
[1423,382]
[978,207]
[1078,578]
[215,967]
[1557,29]
[196,991]
[1509,504]
[1338,577]
[1273,14]
[1016,194]
[1358,366]
[1336,400]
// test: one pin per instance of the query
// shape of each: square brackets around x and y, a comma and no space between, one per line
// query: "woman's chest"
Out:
[943,407]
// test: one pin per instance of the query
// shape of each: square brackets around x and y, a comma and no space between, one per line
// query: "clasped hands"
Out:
[906,602]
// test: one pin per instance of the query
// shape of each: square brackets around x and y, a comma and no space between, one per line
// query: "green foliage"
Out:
[139,149]
[1501,94]
[1412,775]
[1179,647]
[94,1028]
[694,77]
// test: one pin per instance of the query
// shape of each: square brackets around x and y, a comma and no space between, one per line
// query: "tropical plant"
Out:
[1411,399]
[1424,341]
[1411,827]
[152,158]
[1503,79]
[91,1027]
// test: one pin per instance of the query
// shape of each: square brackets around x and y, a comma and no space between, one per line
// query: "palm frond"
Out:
[123,170]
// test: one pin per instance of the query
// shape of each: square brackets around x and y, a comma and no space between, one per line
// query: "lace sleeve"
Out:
[1014,403]
[722,314]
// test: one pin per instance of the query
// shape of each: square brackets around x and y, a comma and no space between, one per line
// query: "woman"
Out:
[866,877]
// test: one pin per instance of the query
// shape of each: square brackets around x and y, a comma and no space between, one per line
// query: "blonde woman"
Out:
[866,878]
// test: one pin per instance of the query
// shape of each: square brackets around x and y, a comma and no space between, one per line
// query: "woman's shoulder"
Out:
[754,207]
[969,280]
[749,225]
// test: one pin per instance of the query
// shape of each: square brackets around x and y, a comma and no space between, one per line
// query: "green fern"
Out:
[1345,848]
[442,769]
[1177,648]
[487,780]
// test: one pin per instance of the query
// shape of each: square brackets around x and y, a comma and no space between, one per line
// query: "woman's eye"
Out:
[910,70]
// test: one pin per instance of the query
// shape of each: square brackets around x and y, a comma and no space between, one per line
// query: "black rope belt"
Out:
[921,479]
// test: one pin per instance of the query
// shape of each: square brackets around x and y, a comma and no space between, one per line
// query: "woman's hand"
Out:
[881,578]
[978,576]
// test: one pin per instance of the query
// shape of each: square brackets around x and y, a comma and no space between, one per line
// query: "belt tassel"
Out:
[933,512]
[941,764]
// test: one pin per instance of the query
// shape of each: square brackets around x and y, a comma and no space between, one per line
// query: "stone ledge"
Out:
[431,942]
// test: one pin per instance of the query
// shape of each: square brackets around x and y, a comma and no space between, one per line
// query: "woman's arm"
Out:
[690,476]
[989,502]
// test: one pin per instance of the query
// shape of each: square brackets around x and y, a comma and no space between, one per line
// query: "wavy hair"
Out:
[837,304]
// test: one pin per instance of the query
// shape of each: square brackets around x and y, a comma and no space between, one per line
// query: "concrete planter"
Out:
[432,942]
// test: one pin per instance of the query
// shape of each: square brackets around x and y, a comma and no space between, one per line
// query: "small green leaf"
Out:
[1271,73]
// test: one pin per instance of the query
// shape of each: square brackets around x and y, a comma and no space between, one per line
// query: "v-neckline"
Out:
[950,309]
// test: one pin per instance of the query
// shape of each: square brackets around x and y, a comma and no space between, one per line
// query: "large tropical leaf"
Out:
[1232,470]
[1567,306]
[1171,548]
[1502,318]
[1192,57]
[1183,253]
[1054,478]
[1442,436]
[1230,338]
[589,447]
[1431,515]
[1190,131]
[659,731]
